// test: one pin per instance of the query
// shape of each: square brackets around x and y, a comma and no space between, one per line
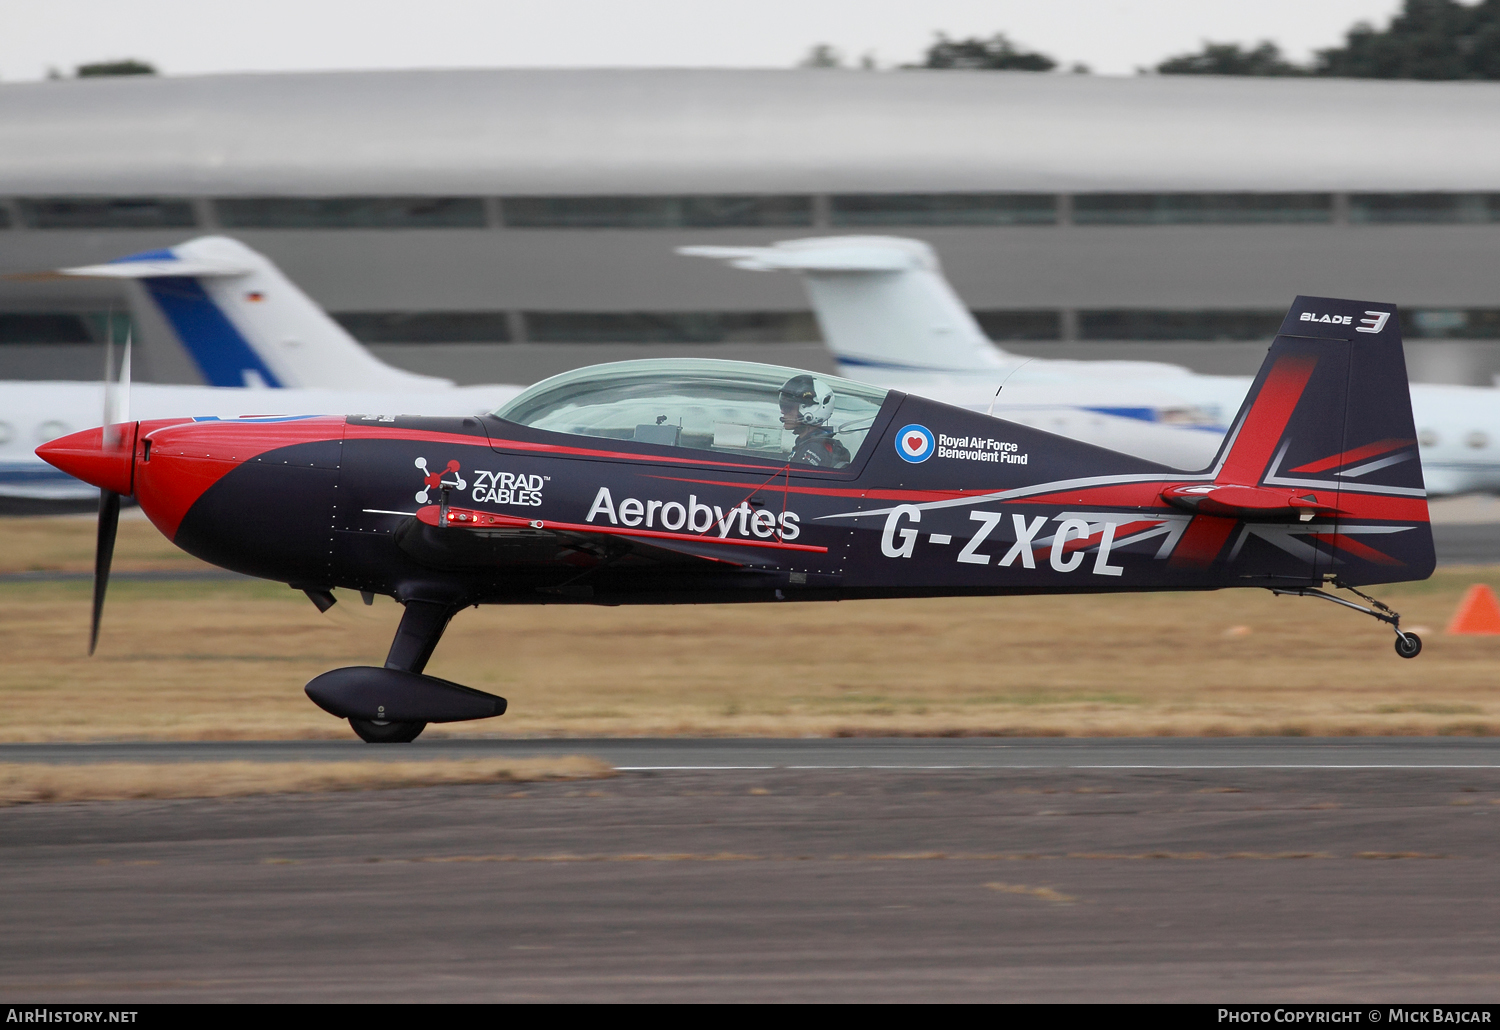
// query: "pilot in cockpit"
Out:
[806,407]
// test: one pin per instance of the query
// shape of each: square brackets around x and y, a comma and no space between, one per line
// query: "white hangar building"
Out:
[503,225]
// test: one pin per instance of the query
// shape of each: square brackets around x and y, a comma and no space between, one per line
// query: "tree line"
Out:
[1428,39]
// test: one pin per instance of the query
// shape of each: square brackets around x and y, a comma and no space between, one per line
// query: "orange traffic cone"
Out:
[1478,613]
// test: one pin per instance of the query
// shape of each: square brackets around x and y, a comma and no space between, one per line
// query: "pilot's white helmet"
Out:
[807,400]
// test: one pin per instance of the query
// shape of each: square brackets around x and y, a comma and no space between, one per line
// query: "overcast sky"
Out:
[189,37]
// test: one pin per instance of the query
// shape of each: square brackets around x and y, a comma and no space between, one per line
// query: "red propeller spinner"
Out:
[102,457]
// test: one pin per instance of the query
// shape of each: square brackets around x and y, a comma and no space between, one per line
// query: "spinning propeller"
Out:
[117,440]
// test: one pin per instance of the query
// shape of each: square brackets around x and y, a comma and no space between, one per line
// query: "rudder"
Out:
[1327,432]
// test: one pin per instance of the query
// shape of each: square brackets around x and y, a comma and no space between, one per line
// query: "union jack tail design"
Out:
[1322,461]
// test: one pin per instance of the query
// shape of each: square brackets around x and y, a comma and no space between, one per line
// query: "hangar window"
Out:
[664,212]
[106,213]
[1020,325]
[1424,207]
[690,402]
[350,212]
[1204,208]
[44,327]
[943,209]
[1461,324]
[426,326]
[1178,325]
[671,327]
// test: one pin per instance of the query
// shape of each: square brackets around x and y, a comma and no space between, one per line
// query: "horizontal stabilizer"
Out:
[853,254]
[137,268]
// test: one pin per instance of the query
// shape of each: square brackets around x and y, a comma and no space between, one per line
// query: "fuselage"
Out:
[936,500]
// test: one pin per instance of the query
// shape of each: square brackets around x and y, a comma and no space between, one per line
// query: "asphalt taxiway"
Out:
[1065,870]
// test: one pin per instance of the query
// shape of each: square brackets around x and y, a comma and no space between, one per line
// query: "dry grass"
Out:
[120,781]
[228,660]
[66,544]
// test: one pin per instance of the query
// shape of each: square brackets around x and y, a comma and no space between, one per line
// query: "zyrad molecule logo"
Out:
[434,481]
[915,443]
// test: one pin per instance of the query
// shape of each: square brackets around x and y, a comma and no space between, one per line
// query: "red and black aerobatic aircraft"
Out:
[692,481]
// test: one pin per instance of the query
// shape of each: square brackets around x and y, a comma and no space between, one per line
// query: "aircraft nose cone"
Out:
[88,456]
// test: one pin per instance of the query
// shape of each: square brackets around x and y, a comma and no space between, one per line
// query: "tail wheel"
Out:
[372,732]
[1409,645]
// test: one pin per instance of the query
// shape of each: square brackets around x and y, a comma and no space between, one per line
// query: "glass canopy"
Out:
[699,403]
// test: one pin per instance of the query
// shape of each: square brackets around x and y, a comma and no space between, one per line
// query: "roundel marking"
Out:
[915,443]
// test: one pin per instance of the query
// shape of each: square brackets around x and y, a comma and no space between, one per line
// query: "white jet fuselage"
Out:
[32,413]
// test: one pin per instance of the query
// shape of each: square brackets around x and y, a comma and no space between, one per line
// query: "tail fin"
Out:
[1322,460]
[881,301]
[246,324]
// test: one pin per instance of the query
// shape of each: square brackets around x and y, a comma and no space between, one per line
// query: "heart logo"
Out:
[914,443]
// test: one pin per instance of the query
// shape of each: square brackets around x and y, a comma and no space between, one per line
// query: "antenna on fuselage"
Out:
[990,411]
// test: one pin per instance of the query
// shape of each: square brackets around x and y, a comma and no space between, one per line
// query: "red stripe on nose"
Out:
[89,456]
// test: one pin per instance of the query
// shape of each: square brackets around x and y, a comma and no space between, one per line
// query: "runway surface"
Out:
[823,753]
[1467,543]
[1053,883]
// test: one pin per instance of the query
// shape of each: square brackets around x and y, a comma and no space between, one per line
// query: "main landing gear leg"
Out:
[1408,645]
[421,628]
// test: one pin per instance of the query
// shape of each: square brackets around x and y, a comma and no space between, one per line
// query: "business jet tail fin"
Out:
[244,323]
[882,303]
